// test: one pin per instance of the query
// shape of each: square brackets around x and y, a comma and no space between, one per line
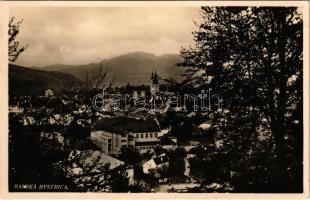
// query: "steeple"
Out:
[154,83]
[154,77]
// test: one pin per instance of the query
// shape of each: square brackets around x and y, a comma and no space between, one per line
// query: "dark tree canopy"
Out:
[252,57]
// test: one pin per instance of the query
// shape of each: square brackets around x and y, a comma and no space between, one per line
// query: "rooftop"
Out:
[167,141]
[90,157]
[123,124]
[161,159]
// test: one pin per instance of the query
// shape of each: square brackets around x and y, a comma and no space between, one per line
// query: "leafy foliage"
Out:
[252,58]
[130,155]
[92,176]
[14,48]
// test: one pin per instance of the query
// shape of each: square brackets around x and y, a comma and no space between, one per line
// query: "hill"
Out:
[27,81]
[133,68]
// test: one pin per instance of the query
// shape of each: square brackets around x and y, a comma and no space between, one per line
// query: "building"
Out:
[154,89]
[111,134]
[28,120]
[205,125]
[60,119]
[135,94]
[15,109]
[155,163]
[49,93]
[142,94]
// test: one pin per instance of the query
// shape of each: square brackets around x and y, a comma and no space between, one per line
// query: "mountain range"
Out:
[133,68]
[27,81]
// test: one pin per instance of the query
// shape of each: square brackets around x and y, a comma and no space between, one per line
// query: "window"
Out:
[124,140]
[146,135]
[156,135]
[142,135]
[137,135]
[151,135]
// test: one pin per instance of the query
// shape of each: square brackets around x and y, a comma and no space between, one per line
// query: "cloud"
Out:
[75,35]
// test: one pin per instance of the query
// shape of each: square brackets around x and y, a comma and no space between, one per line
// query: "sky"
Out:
[80,35]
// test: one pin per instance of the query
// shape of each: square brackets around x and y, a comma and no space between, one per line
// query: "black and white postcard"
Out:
[154,99]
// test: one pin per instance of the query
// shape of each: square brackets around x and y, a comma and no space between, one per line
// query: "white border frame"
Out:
[4,16]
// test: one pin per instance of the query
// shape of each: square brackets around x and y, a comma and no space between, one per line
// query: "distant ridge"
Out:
[27,81]
[133,68]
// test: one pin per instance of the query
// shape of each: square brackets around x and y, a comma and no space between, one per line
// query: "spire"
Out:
[156,78]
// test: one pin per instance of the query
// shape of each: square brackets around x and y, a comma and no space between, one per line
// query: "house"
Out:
[155,163]
[49,93]
[15,109]
[60,120]
[205,125]
[28,120]
[111,134]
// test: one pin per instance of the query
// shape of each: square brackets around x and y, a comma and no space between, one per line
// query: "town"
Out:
[155,154]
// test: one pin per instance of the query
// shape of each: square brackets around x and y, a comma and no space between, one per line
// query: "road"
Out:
[177,186]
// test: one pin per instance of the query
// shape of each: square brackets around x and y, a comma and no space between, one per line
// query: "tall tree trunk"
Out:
[279,124]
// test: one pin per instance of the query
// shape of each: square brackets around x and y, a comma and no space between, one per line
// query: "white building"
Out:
[49,93]
[155,163]
[28,120]
[15,109]
[111,134]
[205,125]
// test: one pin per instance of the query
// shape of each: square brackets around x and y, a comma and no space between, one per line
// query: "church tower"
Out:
[154,84]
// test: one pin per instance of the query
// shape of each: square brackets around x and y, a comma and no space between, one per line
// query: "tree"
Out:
[252,58]
[72,88]
[97,79]
[176,162]
[130,155]
[27,161]
[85,173]
[14,47]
